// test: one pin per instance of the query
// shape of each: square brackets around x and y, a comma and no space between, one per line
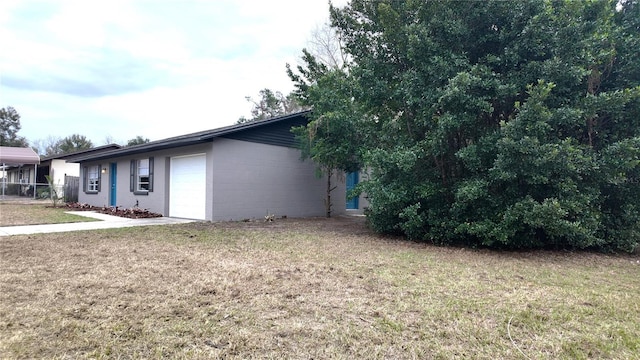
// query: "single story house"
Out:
[236,172]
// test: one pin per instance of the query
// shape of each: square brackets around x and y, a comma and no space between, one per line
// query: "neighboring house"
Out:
[59,169]
[19,168]
[236,172]
[22,178]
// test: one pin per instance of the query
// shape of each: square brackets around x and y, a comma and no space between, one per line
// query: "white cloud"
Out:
[150,68]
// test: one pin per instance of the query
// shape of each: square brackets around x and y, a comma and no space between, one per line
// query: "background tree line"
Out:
[10,126]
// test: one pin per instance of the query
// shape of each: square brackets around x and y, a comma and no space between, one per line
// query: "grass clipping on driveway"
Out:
[36,214]
[306,289]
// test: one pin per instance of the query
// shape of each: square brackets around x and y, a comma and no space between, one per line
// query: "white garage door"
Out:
[188,186]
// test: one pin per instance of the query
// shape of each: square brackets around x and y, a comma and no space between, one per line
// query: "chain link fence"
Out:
[67,192]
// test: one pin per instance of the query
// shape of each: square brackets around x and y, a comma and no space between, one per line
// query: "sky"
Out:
[114,70]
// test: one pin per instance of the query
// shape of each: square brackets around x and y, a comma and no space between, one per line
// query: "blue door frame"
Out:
[113,179]
[352,181]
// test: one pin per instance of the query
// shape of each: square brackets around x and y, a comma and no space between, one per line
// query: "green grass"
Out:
[307,289]
[36,214]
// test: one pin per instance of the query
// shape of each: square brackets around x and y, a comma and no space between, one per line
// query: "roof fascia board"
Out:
[94,150]
[134,150]
[250,125]
[185,140]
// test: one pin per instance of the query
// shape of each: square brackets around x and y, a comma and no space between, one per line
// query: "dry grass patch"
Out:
[306,289]
[36,214]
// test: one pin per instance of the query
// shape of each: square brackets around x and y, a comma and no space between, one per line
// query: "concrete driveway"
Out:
[107,222]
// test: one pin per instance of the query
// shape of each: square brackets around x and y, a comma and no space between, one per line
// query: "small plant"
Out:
[269,217]
[43,193]
[55,198]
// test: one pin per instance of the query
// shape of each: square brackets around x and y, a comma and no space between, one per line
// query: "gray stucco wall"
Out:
[96,199]
[251,180]
[244,180]
[156,201]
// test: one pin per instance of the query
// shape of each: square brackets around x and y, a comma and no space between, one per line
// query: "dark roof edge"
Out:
[81,152]
[252,124]
[137,149]
[184,140]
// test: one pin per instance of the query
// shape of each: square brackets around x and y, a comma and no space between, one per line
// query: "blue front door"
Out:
[352,181]
[113,177]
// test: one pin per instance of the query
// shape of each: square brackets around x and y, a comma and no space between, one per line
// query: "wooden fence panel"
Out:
[71,188]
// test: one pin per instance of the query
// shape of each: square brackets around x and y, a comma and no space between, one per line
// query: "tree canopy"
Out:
[503,124]
[9,127]
[138,140]
[69,144]
[271,104]
[331,137]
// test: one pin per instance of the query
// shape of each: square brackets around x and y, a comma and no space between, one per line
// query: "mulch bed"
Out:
[131,213]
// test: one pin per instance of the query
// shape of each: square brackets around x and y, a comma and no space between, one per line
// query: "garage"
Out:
[187,189]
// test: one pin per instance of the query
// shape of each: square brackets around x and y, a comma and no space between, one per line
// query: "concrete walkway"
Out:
[107,222]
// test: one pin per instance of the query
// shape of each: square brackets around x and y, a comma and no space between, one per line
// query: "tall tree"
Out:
[73,143]
[9,127]
[138,140]
[323,84]
[271,104]
[47,146]
[500,124]
[331,137]
[326,47]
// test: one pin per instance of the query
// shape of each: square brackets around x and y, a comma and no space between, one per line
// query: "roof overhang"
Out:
[188,139]
[67,157]
[18,156]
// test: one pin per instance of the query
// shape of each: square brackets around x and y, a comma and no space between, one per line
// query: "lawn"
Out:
[36,213]
[301,289]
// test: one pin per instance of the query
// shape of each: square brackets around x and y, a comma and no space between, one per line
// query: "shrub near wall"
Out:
[504,124]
